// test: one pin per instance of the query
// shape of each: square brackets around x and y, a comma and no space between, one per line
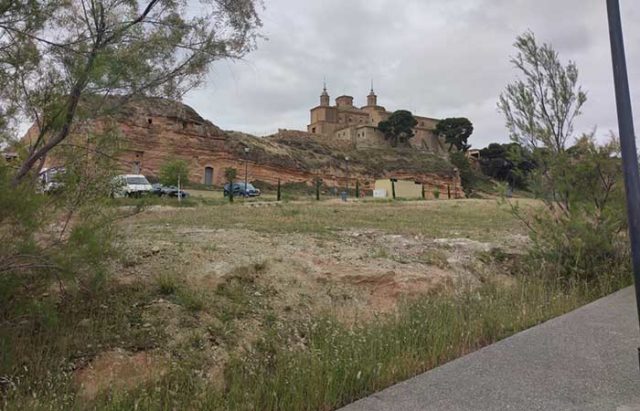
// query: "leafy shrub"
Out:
[174,172]
[66,235]
[581,233]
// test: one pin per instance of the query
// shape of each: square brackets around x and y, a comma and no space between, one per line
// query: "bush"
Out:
[578,246]
[66,235]
[467,176]
[581,233]
[174,172]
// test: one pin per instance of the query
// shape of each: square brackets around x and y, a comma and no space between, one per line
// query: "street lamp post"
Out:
[246,168]
[346,159]
[627,138]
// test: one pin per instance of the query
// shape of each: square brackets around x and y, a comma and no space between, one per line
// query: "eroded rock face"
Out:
[156,130]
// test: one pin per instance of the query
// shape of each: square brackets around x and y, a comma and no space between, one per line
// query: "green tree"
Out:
[66,237]
[578,235]
[540,108]
[398,128]
[230,175]
[467,176]
[456,132]
[507,162]
[174,171]
[60,60]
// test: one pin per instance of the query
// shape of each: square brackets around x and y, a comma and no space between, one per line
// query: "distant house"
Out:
[402,188]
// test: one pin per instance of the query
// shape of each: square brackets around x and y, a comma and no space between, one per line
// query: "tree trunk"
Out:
[69,115]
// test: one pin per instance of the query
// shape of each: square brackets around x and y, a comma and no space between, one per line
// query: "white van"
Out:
[51,179]
[130,185]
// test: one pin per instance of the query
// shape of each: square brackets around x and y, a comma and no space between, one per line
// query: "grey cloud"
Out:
[437,58]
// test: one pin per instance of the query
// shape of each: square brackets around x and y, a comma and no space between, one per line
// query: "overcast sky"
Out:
[437,58]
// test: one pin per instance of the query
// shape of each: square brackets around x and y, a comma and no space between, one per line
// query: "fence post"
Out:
[278,193]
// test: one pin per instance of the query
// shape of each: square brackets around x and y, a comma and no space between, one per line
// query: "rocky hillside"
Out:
[157,130]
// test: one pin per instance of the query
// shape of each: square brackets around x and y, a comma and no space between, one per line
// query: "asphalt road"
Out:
[584,360]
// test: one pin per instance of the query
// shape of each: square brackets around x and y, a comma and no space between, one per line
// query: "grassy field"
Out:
[267,306]
[477,219]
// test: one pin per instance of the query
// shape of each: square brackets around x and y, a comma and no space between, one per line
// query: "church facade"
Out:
[358,126]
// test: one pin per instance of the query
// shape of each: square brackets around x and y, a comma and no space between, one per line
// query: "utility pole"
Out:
[627,139]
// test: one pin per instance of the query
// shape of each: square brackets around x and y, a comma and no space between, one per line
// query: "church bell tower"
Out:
[372,99]
[324,97]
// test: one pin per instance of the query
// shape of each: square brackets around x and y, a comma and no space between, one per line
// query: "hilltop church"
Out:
[358,125]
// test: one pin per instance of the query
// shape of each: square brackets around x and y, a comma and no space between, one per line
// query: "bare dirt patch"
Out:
[118,370]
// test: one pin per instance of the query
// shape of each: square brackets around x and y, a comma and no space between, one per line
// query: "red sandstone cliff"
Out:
[157,130]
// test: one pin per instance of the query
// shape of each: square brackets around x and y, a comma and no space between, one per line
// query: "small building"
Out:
[403,188]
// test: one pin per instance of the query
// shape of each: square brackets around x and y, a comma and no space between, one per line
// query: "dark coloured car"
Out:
[156,189]
[168,191]
[239,189]
[172,191]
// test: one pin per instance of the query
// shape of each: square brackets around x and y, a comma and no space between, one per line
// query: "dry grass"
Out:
[474,219]
[301,305]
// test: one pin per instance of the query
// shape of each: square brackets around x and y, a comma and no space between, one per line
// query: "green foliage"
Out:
[510,163]
[43,338]
[398,128]
[357,189]
[70,58]
[66,235]
[340,364]
[467,175]
[540,108]
[167,283]
[581,234]
[456,132]
[436,193]
[174,171]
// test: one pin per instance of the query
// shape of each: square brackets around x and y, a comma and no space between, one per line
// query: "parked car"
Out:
[157,189]
[168,191]
[130,185]
[51,179]
[239,189]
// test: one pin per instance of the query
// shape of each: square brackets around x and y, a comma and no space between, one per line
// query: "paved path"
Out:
[584,360]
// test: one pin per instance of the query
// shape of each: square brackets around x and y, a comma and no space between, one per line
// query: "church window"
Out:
[313,130]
